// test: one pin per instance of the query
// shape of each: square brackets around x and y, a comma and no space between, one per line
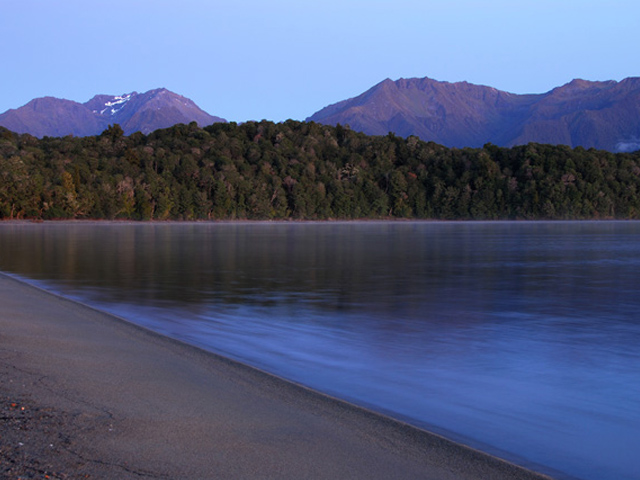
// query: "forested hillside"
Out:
[262,170]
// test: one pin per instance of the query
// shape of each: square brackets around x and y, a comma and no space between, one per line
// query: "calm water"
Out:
[518,338]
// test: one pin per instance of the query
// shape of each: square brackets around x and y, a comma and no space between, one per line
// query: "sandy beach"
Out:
[87,395]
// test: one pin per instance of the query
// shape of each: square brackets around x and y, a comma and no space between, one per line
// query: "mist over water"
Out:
[518,338]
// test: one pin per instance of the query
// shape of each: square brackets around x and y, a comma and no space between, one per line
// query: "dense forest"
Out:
[297,170]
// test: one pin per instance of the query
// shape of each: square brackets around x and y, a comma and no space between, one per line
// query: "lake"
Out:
[518,338]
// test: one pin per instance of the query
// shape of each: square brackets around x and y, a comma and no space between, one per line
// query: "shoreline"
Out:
[115,400]
[332,221]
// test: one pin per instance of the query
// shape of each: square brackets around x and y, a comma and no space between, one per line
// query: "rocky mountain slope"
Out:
[134,112]
[604,115]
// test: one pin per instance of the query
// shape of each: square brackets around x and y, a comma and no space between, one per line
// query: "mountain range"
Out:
[604,115]
[144,112]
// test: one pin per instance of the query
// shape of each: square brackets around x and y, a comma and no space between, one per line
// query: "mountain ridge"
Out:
[599,114]
[144,112]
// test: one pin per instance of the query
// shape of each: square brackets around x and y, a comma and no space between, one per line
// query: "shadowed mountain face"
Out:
[143,112]
[604,115]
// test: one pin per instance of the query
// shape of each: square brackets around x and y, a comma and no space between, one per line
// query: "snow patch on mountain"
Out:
[116,104]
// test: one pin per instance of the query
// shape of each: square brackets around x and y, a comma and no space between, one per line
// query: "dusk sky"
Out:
[279,59]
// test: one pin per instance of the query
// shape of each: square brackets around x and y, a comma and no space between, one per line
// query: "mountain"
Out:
[604,115]
[143,112]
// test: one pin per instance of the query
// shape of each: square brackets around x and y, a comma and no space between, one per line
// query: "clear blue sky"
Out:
[279,59]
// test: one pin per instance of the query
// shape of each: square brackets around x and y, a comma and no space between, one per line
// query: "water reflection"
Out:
[518,337]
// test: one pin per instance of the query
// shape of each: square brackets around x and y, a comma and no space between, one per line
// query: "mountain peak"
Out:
[145,112]
[579,86]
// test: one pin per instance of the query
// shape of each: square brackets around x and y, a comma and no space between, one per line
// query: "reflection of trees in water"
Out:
[405,270]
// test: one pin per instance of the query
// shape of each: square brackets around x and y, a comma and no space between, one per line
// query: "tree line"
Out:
[305,170]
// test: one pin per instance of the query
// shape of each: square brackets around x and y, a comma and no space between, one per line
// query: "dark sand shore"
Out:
[86,395]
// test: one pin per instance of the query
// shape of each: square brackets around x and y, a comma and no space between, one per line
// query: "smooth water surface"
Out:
[518,338]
